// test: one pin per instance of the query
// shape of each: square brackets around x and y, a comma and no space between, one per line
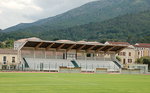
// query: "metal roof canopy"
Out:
[74,45]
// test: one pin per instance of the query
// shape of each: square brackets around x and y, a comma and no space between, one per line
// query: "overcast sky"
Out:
[13,12]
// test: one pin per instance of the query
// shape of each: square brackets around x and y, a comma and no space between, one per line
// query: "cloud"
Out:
[13,12]
[1,11]
[18,4]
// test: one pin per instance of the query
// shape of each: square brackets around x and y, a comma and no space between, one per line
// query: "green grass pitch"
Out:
[73,83]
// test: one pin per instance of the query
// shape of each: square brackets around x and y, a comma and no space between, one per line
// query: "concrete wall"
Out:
[143,67]
[69,70]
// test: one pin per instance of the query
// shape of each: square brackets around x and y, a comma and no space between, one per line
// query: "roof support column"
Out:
[95,56]
[60,47]
[34,53]
[66,54]
[70,47]
[38,45]
[80,48]
[110,49]
[76,55]
[90,48]
[45,56]
[55,54]
[85,55]
[100,48]
[50,46]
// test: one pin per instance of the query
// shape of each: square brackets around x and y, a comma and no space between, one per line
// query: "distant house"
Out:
[8,59]
[127,55]
[130,54]
[143,49]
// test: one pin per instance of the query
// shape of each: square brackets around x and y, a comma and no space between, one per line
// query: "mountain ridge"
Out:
[131,28]
[96,11]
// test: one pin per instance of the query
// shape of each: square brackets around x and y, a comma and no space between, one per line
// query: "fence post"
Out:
[92,67]
[34,66]
[49,66]
[22,67]
[55,66]
[86,67]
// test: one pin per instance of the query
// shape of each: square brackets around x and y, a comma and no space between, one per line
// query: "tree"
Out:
[144,60]
[118,58]
[9,43]
[2,45]
[55,39]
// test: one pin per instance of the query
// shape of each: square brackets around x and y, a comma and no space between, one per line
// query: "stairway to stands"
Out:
[74,63]
[118,64]
[54,64]
[25,63]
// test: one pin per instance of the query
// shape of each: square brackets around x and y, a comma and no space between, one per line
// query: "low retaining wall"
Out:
[131,71]
[101,70]
[143,68]
[69,70]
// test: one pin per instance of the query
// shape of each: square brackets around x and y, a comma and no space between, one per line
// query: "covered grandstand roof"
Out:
[26,39]
[68,45]
[117,43]
[120,43]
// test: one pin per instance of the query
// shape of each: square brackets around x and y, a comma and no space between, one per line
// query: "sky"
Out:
[13,12]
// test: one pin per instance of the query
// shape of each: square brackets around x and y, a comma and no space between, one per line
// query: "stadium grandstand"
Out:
[36,54]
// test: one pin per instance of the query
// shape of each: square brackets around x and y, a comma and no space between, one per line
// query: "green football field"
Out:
[73,83]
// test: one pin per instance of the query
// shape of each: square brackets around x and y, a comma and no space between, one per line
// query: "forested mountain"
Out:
[130,27]
[96,11]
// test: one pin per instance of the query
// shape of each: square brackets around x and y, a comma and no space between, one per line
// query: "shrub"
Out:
[144,60]
[118,58]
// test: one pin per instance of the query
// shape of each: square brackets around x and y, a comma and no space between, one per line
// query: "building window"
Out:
[4,59]
[124,61]
[124,53]
[90,55]
[120,54]
[129,60]
[138,53]
[13,59]
[129,53]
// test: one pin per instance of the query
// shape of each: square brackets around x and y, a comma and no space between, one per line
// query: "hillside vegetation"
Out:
[131,27]
[96,11]
[115,20]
